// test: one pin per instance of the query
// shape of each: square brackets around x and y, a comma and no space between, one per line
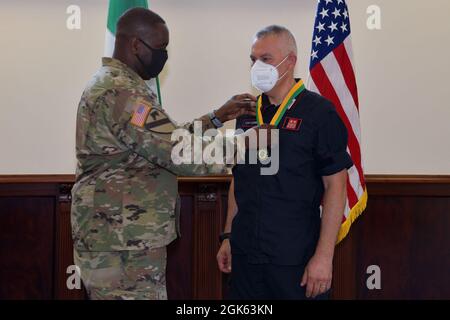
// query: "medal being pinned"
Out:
[263,155]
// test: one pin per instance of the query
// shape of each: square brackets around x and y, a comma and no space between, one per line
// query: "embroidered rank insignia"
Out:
[140,114]
[292,124]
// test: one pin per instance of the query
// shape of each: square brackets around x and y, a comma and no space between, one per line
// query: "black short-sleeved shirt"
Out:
[278,219]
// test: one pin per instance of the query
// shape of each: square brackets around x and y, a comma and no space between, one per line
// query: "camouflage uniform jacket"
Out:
[126,190]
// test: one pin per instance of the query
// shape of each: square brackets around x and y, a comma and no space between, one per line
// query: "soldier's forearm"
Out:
[199,125]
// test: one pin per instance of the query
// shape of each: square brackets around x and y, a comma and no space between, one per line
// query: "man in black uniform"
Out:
[276,241]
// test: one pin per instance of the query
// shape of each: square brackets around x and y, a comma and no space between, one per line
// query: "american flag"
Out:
[332,75]
[140,115]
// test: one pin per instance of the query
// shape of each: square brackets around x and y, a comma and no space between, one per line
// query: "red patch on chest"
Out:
[292,124]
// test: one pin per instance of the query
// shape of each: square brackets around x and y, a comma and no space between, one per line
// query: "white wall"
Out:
[402,73]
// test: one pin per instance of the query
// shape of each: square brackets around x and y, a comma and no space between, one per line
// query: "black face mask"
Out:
[159,58]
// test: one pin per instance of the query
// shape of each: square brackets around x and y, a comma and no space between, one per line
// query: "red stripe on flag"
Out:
[351,194]
[326,89]
[347,71]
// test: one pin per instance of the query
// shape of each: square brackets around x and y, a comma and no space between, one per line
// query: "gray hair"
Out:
[279,31]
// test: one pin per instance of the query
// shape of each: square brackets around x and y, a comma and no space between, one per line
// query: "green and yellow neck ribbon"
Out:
[287,102]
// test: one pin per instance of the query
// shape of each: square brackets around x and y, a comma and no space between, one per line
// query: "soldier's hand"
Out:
[224,257]
[237,106]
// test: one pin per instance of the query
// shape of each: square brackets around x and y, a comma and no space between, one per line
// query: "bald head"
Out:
[287,41]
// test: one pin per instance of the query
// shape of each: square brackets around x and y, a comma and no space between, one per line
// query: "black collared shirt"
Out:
[278,219]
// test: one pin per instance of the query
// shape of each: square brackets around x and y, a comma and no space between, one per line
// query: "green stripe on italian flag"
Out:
[116,9]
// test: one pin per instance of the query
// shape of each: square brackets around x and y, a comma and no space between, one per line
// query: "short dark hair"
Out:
[137,20]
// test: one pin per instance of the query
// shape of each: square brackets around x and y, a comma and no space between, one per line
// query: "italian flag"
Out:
[116,9]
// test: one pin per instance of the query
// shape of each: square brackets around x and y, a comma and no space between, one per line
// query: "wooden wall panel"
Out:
[404,230]
[179,253]
[26,247]
[43,253]
[64,248]
[207,225]
[344,268]
[408,238]
[191,265]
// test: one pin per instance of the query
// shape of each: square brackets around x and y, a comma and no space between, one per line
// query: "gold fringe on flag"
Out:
[355,212]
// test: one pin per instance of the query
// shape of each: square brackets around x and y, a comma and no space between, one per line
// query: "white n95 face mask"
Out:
[265,76]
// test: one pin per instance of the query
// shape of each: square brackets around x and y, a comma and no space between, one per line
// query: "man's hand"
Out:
[237,106]
[317,276]
[224,257]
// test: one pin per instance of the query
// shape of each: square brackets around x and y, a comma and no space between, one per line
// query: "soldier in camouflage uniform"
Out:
[125,195]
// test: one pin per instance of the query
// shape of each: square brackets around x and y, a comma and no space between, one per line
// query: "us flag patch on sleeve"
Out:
[140,114]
